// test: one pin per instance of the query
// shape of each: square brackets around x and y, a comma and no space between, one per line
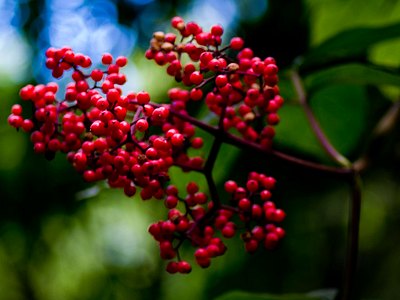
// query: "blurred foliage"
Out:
[63,239]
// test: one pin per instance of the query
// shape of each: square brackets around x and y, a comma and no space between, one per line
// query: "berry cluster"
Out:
[202,221]
[131,142]
[242,89]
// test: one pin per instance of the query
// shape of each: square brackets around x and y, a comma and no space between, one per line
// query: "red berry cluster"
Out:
[106,135]
[131,142]
[243,88]
[257,211]
[195,223]
[203,224]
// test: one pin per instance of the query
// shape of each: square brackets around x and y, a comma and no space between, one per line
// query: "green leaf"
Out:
[349,44]
[238,295]
[355,74]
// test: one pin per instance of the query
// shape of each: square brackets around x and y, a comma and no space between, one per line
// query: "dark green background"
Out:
[63,239]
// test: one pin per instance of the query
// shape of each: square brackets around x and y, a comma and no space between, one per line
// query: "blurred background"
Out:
[61,238]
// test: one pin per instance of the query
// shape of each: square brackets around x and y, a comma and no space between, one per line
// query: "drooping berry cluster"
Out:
[257,211]
[242,88]
[106,135]
[204,224]
[194,223]
[131,142]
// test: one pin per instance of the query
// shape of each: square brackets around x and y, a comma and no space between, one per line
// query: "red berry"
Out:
[177,139]
[192,188]
[221,80]
[129,190]
[27,125]
[142,125]
[279,215]
[271,240]
[197,143]
[251,245]
[217,30]
[184,267]
[230,186]
[176,21]
[228,230]
[107,59]
[16,109]
[196,77]
[252,185]
[244,204]
[269,183]
[270,69]
[196,94]
[172,267]
[121,61]
[96,75]
[237,43]
[265,195]
[171,201]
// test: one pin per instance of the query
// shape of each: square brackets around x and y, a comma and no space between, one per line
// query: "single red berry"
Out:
[172,267]
[228,230]
[269,182]
[273,118]
[271,240]
[197,143]
[270,69]
[269,60]
[258,233]
[16,109]
[244,204]
[230,186]
[142,125]
[177,139]
[27,125]
[176,21]
[54,145]
[196,77]
[107,59]
[113,95]
[214,65]
[170,38]
[129,190]
[237,43]
[265,195]
[217,30]
[184,267]
[221,80]
[96,75]
[252,185]
[39,148]
[151,153]
[280,232]
[206,57]
[201,253]
[171,201]
[256,211]
[279,215]
[251,245]
[192,188]
[89,176]
[196,94]
[121,61]
[102,104]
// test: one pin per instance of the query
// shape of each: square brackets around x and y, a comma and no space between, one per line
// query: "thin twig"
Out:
[239,142]
[322,138]
[353,239]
